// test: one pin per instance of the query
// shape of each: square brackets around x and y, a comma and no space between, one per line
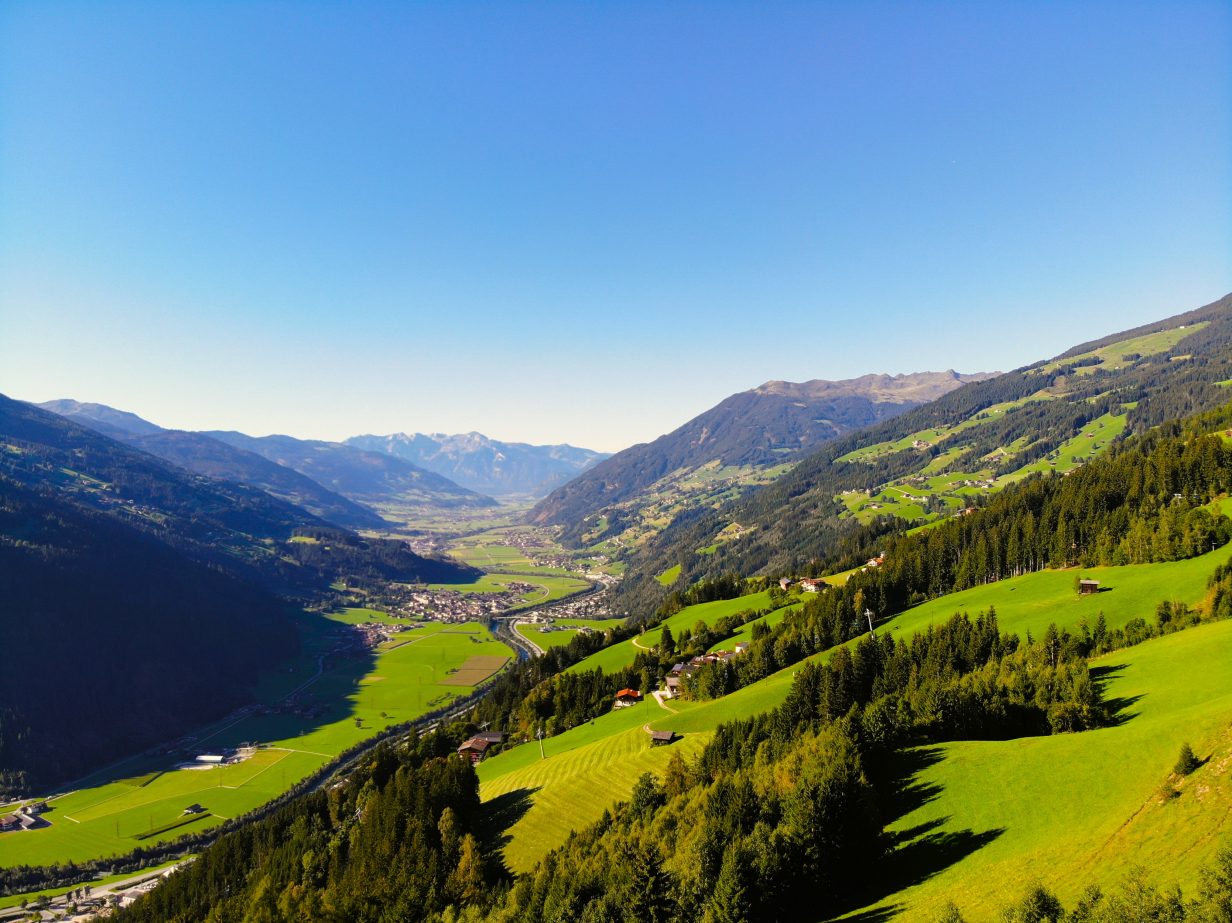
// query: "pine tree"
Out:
[1186,763]
[650,897]
[729,903]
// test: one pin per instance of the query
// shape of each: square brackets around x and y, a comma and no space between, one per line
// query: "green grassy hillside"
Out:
[621,655]
[1031,602]
[592,767]
[1078,808]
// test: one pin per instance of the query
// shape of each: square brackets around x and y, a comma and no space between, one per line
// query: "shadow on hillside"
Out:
[879,915]
[321,699]
[917,853]
[501,813]
[1118,707]
[899,777]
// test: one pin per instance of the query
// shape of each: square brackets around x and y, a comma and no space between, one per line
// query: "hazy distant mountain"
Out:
[775,423]
[345,477]
[215,521]
[100,417]
[366,477]
[487,465]
[214,458]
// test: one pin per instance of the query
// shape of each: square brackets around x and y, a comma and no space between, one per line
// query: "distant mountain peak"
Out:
[101,417]
[877,387]
[767,426]
[484,464]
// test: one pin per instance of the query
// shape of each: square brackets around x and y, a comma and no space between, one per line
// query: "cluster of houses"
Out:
[808,584]
[590,606]
[372,634]
[418,602]
[26,817]
[681,670]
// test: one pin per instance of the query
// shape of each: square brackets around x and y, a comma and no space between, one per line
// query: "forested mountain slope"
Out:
[363,476]
[214,458]
[957,451]
[115,640]
[237,527]
[752,431]
[203,454]
[486,465]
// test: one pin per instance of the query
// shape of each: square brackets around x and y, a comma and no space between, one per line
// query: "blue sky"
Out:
[588,222]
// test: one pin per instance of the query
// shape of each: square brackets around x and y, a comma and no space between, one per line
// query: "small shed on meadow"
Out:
[1087,587]
[657,738]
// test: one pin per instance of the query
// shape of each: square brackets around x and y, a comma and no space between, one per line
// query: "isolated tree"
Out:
[1186,762]
[667,644]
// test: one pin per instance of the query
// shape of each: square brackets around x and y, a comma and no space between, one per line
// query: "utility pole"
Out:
[868,614]
[539,734]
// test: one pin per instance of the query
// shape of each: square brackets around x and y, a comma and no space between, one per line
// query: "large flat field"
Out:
[357,698]
[621,655]
[990,817]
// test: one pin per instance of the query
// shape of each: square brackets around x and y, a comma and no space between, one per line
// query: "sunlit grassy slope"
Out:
[591,768]
[1072,809]
[621,655]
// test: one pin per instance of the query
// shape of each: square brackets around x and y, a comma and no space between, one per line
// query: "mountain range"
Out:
[148,583]
[732,444]
[502,469]
[956,451]
[337,482]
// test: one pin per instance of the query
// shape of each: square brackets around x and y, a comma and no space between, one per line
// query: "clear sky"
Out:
[588,222]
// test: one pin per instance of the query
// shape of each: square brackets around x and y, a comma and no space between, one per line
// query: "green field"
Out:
[1112,356]
[547,639]
[1078,808]
[621,655]
[591,767]
[1094,437]
[1031,602]
[669,576]
[357,698]
[586,770]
